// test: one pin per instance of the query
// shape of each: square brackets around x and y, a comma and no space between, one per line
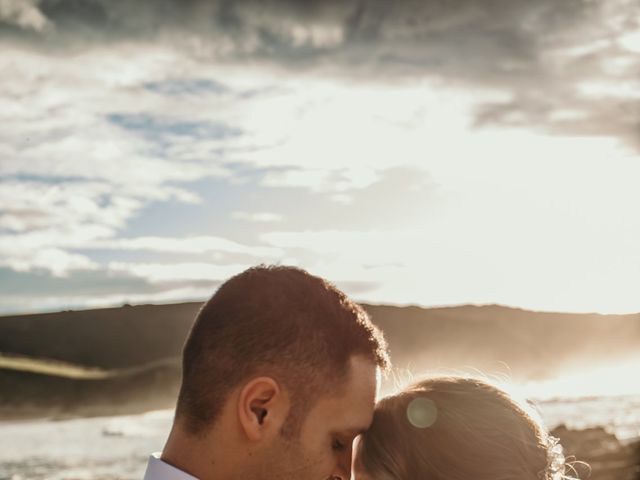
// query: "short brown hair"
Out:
[467,428]
[273,320]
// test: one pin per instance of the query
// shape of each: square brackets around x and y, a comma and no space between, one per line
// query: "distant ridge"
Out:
[127,358]
[107,338]
[482,335]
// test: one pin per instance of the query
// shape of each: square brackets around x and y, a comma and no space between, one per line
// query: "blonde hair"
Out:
[452,428]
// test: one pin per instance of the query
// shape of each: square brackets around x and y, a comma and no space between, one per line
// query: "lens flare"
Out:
[422,412]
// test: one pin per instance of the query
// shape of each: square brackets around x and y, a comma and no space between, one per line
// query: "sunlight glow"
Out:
[602,380]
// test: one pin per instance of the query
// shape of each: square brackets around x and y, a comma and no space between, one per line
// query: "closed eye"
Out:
[337,445]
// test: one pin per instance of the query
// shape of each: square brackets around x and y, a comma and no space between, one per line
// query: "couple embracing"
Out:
[280,376]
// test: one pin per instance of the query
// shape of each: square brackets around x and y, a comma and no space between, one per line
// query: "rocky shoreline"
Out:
[607,457]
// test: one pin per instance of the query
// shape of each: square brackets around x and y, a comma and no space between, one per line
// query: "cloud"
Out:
[23,292]
[342,242]
[537,52]
[330,180]
[128,124]
[172,272]
[187,87]
[190,245]
[52,249]
[152,128]
[408,37]
[80,160]
[36,204]
[45,250]
[387,198]
[58,262]
[260,217]
[93,119]
[41,220]
[24,14]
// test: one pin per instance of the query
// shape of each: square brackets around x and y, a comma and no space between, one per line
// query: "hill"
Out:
[533,343]
[127,358]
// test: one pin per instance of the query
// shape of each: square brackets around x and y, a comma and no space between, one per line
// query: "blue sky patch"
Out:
[152,127]
[187,87]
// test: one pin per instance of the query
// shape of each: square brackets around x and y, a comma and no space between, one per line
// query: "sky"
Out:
[414,152]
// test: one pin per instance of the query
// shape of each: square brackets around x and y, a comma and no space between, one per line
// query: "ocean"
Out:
[118,447]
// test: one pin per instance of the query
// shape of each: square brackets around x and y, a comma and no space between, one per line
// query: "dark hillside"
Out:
[533,344]
[106,338]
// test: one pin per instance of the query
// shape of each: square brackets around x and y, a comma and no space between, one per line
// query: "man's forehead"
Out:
[364,378]
[351,404]
[352,408]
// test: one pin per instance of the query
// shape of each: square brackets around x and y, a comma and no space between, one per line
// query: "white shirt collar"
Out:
[159,470]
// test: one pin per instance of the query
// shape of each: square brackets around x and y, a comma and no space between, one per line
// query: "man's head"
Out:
[281,366]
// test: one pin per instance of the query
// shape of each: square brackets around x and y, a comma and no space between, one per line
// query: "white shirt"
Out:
[159,470]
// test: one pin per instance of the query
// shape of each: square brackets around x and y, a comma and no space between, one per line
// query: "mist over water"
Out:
[588,380]
[577,379]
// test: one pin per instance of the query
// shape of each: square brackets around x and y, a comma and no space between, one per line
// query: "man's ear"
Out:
[262,408]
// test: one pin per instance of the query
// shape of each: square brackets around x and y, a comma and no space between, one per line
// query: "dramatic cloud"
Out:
[568,67]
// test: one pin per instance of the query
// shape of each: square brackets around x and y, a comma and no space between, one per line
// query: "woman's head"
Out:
[450,428]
